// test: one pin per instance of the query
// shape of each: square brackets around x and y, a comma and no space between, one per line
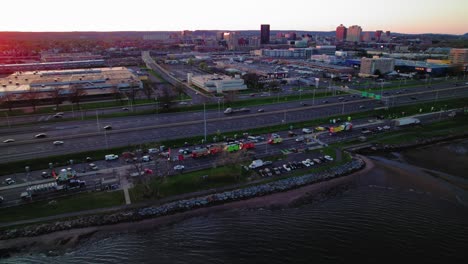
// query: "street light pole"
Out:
[97,120]
[204,119]
[342,109]
[8,119]
[105,137]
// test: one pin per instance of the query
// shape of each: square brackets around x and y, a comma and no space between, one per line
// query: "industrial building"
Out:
[288,53]
[96,82]
[10,68]
[217,83]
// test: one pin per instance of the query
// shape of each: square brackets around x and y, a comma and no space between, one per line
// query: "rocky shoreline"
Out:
[184,205]
[418,143]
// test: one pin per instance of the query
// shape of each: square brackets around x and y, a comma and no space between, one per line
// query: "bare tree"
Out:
[32,97]
[166,97]
[7,100]
[148,89]
[230,96]
[56,95]
[76,94]
[117,94]
[232,161]
[179,88]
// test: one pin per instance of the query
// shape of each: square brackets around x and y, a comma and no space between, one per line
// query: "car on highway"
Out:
[146,158]
[362,107]
[179,167]
[261,110]
[304,104]
[9,181]
[1,199]
[58,115]
[58,142]
[125,108]
[108,127]
[325,101]
[8,140]
[183,103]
[413,98]
[88,159]
[306,130]
[111,157]
[320,128]
[46,175]
[153,151]
[93,166]
[41,135]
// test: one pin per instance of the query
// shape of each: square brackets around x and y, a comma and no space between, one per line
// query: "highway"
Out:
[84,135]
[119,168]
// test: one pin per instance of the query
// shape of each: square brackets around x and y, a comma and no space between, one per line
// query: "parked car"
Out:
[307,164]
[286,167]
[386,127]
[327,157]
[300,139]
[58,142]
[111,157]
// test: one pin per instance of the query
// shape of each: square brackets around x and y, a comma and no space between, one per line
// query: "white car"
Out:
[310,162]
[286,167]
[108,127]
[386,127]
[9,140]
[146,158]
[93,166]
[179,167]
[306,131]
[300,139]
[58,115]
[9,181]
[58,143]
[307,164]
[41,135]
[111,157]
[328,158]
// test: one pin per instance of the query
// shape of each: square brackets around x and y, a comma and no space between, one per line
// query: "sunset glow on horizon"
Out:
[416,16]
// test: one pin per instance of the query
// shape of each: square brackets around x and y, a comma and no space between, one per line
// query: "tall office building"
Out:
[354,34]
[341,33]
[264,34]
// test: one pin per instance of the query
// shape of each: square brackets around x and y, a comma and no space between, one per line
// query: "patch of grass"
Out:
[188,182]
[70,204]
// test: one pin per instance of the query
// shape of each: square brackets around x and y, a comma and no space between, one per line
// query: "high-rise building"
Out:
[378,35]
[367,36]
[341,33]
[232,40]
[458,56]
[354,34]
[264,34]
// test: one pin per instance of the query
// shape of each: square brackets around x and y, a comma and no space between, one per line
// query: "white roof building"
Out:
[218,83]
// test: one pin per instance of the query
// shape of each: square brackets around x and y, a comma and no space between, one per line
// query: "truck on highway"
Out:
[347,126]
[406,121]
[231,110]
[43,188]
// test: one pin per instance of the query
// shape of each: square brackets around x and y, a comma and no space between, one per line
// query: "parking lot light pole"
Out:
[97,120]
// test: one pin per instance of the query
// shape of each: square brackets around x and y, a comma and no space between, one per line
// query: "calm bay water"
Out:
[387,214]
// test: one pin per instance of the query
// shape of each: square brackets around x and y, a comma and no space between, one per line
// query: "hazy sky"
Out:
[405,16]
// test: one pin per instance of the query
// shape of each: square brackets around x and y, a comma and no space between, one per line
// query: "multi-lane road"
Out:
[89,134]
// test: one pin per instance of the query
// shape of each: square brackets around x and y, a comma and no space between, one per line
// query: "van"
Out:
[111,157]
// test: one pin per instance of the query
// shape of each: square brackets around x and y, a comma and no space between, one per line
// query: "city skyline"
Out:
[411,17]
